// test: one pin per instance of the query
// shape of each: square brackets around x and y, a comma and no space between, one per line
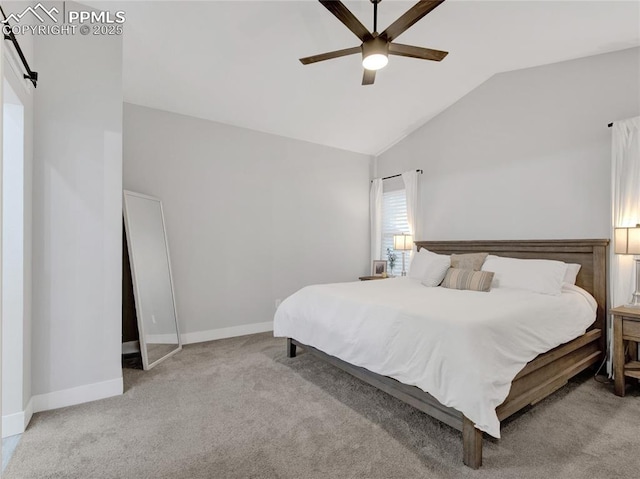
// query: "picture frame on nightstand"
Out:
[379,267]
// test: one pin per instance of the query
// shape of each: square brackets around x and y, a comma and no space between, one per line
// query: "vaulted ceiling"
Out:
[236,62]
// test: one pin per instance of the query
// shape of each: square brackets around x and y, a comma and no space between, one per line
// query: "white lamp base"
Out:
[635,299]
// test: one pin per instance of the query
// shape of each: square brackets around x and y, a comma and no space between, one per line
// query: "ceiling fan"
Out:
[376,47]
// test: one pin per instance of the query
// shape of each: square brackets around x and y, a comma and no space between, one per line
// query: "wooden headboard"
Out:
[590,253]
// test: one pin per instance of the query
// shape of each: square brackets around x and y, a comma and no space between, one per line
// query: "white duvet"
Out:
[462,347]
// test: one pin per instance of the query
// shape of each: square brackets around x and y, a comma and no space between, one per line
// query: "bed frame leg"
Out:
[291,349]
[471,444]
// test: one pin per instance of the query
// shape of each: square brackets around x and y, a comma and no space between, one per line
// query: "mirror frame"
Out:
[136,293]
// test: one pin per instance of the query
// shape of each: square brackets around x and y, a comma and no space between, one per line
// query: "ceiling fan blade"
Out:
[343,14]
[416,52]
[410,17]
[369,77]
[329,55]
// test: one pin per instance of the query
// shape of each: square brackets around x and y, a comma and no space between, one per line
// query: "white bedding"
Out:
[462,347]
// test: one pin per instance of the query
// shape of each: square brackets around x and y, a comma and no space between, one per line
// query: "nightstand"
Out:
[369,278]
[626,328]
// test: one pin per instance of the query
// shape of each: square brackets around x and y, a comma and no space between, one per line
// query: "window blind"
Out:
[394,221]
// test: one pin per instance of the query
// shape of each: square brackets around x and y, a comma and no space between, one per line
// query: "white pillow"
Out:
[572,273]
[436,269]
[538,275]
[419,264]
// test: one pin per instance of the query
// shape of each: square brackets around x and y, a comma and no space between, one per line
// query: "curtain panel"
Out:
[625,191]
[375,215]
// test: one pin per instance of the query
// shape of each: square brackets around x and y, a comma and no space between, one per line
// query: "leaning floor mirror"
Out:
[152,280]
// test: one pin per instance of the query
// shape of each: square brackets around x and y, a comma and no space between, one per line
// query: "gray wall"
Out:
[251,217]
[77,218]
[16,294]
[526,155]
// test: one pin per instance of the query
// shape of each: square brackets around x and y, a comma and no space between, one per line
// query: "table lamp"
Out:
[403,242]
[627,241]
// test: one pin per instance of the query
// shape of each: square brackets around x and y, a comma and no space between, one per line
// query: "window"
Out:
[394,221]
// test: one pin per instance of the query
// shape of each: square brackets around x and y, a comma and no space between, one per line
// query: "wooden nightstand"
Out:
[369,278]
[626,328]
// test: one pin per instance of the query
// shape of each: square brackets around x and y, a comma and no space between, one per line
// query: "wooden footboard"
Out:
[537,380]
[550,371]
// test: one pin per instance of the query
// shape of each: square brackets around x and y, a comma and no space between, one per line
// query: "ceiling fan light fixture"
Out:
[375,54]
[375,61]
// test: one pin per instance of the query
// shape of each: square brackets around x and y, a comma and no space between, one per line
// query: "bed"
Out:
[539,374]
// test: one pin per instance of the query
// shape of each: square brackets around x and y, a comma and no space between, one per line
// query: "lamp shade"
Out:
[627,240]
[402,242]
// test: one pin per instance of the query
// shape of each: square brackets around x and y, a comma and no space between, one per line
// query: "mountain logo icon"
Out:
[39,11]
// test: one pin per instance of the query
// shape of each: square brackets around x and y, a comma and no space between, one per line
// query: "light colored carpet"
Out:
[238,408]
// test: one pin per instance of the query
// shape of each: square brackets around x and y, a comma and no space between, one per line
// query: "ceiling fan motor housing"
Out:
[375,46]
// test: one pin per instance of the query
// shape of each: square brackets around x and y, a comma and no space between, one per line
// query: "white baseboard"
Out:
[13,424]
[78,395]
[17,423]
[222,333]
[28,413]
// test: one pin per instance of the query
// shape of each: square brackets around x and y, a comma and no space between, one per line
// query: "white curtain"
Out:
[375,214]
[410,179]
[625,189]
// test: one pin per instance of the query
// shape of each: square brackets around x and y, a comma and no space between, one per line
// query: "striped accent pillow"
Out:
[467,279]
